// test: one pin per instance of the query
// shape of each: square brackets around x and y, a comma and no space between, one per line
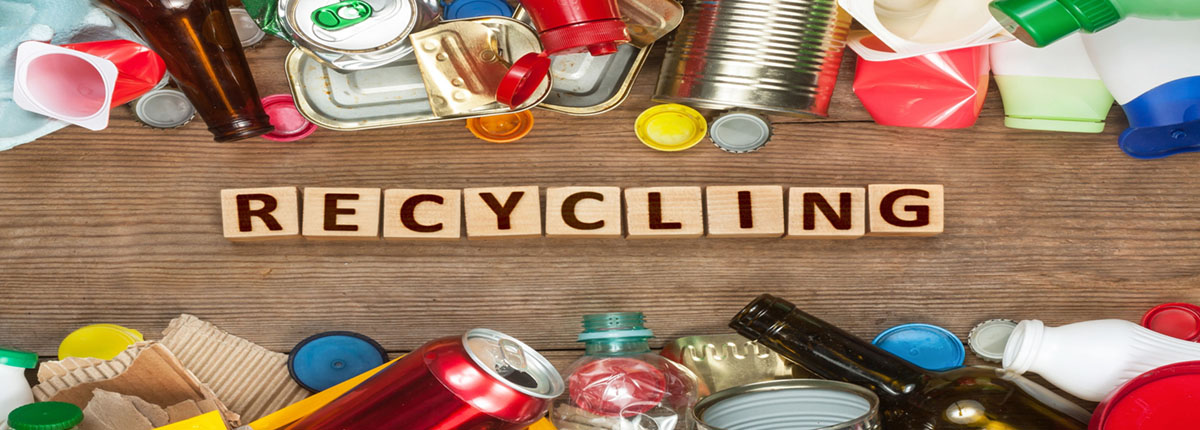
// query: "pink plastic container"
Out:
[939,90]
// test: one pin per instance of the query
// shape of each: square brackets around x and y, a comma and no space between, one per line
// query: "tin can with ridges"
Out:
[789,403]
[769,55]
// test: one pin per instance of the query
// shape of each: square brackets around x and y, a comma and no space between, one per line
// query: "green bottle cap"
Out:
[18,358]
[45,416]
[614,325]
[1041,22]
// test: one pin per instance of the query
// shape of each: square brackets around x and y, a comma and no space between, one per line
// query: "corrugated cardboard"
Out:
[112,411]
[146,370]
[249,379]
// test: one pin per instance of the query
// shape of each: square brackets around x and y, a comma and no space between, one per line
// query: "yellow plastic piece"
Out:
[509,127]
[103,341]
[670,127]
[295,411]
[209,421]
[544,424]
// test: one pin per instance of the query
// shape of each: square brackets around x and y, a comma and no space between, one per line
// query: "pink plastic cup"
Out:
[64,84]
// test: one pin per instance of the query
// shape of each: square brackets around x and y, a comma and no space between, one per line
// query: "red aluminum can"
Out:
[483,380]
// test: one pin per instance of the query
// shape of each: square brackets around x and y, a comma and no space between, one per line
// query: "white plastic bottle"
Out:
[1151,70]
[1053,88]
[14,388]
[1090,359]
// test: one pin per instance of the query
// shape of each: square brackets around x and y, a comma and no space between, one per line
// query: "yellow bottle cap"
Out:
[670,127]
[509,127]
[103,341]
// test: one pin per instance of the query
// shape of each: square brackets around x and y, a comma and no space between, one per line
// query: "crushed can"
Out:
[483,380]
[353,34]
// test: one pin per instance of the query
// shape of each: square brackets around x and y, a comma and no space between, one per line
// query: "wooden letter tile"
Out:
[503,212]
[745,211]
[664,212]
[341,213]
[583,212]
[826,213]
[906,210]
[422,214]
[260,213]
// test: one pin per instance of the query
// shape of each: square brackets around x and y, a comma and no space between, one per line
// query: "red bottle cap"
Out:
[601,37]
[523,78]
[1178,320]
[1161,399]
[289,124]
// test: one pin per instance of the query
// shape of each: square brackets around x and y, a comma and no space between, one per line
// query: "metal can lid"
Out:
[988,339]
[505,128]
[289,124]
[247,30]
[513,363]
[164,109]
[389,24]
[523,79]
[670,127]
[927,346]
[463,9]
[330,358]
[1178,320]
[740,132]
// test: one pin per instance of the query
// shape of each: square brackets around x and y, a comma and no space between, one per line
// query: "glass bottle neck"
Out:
[825,350]
[619,346]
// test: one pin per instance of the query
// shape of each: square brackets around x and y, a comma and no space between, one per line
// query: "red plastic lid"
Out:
[1165,398]
[1178,320]
[289,124]
[600,37]
[523,78]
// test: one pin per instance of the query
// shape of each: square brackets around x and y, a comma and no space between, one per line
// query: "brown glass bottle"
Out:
[911,398]
[197,40]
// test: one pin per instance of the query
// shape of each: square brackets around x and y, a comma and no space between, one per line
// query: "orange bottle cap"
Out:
[509,127]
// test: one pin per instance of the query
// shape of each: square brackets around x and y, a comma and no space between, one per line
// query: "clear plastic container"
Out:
[620,384]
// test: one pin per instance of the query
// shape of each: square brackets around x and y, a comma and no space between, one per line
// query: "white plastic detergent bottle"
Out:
[1152,70]
[14,388]
[1041,22]
[1055,88]
[1090,359]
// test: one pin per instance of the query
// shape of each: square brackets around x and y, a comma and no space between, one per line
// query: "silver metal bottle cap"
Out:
[740,132]
[164,109]
[247,30]
[988,338]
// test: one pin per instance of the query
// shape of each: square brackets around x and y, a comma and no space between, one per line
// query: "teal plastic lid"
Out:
[18,358]
[614,325]
[45,416]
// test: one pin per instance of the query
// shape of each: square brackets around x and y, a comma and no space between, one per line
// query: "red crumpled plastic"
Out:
[939,90]
[139,69]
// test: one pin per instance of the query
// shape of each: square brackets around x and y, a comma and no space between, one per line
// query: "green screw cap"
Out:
[45,416]
[18,358]
[1041,22]
[342,14]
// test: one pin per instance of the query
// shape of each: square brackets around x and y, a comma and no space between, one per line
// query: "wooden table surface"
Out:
[123,226]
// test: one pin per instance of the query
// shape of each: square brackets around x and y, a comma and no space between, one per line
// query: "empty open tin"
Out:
[356,34]
[395,94]
[794,404]
[582,84]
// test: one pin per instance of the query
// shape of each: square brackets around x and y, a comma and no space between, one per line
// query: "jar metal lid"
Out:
[740,132]
[247,30]
[164,109]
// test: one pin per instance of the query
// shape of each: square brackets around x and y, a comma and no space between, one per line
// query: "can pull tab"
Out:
[342,14]
[511,359]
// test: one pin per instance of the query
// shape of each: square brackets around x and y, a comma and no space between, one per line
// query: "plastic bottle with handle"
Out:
[1091,359]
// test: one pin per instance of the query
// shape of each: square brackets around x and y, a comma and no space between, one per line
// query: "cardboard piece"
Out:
[249,379]
[422,214]
[146,370]
[827,213]
[341,213]
[503,212]
[111,411]
[745,211]
[664,212]
[260,213]
[593,212]
[906,210]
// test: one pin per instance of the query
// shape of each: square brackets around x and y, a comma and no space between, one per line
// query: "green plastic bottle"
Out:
[45,416]
[1041,22]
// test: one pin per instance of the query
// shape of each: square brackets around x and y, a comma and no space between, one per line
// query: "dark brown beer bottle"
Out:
[197,40]
[911,398]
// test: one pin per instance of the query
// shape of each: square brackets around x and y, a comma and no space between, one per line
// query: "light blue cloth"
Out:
[54,21]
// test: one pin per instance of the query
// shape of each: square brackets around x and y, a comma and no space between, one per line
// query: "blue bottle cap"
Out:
[927,346]
[327,359]
[463,9]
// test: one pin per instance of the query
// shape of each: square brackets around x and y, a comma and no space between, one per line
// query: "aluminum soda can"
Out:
[356,34]
[482,380]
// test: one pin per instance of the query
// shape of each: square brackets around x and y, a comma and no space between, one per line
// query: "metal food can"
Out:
[483,380]
[356,34]
[801,403]
[770,55]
